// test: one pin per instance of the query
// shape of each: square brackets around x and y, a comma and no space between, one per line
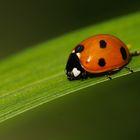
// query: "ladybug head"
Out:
[74,69]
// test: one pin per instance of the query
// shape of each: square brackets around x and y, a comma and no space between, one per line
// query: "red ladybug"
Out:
[100,54]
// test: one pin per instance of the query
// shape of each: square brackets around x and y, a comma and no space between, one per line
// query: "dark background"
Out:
[26,23]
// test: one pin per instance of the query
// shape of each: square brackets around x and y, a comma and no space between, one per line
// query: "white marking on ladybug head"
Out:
[78,54]
[76,72]
[73,51]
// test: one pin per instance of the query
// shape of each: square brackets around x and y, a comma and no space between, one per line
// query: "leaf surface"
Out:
[36,75]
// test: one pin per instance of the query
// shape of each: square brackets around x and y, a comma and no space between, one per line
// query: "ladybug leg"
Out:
[108,76]
[129,69]
[84,75]
[135,53]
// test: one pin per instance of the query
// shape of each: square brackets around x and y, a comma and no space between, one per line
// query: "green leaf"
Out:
[37,75]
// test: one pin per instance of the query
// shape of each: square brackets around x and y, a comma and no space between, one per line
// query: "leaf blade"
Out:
[35,76]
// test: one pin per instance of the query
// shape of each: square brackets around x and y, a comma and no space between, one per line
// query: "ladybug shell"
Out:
[103,53]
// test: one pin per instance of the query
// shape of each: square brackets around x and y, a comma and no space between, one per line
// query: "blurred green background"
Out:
[110,110]
[26,23]
[107,111]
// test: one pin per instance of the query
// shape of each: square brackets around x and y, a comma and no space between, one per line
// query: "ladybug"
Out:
[97,55]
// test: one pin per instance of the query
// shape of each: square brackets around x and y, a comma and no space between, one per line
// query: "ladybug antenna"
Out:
[135,53]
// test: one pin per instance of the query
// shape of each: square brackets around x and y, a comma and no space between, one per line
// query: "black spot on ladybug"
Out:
[123,53]
[102,44]
[79,48]
[102,62]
